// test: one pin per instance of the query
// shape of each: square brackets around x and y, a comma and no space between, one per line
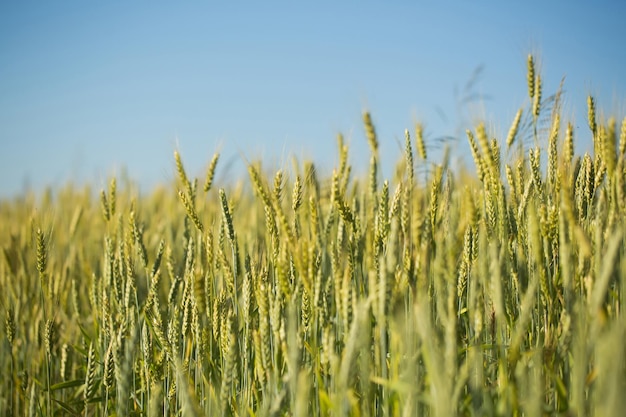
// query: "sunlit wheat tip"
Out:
[408,155]
[227,216]
[278,187]
[591,115]
[552,149]
[514,128]
[109,368]
[609,145]
[478,160]
[531,76]
[182,175]
[9,326]
[296,196]
[419,140]
[537,97]
[42,253]
[208,182]
[90,376]
[106,211]
[568,150]
[370,132]
[113,196]
[49,337]
[191,211]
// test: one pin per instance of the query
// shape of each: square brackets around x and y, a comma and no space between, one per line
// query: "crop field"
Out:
[437,292]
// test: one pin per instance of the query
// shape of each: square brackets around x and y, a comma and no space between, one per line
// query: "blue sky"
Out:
[88,89]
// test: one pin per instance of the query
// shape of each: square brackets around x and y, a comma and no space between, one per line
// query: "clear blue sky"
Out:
[90,88]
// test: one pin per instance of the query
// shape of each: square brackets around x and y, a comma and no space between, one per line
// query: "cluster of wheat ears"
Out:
[439,294]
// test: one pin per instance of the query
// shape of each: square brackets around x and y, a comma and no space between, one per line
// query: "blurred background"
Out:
[94,89]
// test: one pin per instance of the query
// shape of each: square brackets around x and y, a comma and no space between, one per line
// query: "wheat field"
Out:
[437,292]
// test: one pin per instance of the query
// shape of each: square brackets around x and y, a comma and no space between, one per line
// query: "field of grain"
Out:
[293,293]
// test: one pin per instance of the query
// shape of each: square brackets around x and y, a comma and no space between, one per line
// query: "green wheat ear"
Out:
[259,186]
[106,211]
[370,133]
[182,174]
[228,219]
[113,196]
[510,138]
[108,379]
[9,326]
[208,182]
[191,210]
[552,149]
[530,64]
[537,97]
[568,149]
[591,116]
[419,140]
[296,195]
[408,154]
[90,376]
[42,253]
[478,159]
[608,138]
